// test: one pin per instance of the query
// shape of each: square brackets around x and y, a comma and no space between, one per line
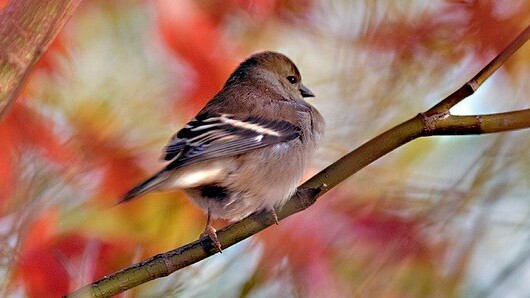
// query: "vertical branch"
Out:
[27,27]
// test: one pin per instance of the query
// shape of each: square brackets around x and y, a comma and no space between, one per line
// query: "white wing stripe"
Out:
[250,126]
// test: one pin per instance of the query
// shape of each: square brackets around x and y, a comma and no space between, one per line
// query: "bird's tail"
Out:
[151,184]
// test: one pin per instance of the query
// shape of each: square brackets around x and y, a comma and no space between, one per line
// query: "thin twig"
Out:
[479,124]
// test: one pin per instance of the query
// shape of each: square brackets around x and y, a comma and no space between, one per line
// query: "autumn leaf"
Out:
[194,35]
[51,263]
[25,130]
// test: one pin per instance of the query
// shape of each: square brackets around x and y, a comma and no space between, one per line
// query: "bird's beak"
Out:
[305,91]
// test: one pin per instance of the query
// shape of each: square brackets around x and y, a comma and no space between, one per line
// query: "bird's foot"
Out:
[211,233]
[273,212]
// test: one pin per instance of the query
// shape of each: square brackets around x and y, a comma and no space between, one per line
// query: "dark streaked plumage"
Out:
[246,150]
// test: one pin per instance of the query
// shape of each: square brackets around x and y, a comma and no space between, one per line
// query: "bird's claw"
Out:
[211,233]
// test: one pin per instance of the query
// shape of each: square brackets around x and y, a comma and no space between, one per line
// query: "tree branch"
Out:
[479,124]
[27,27]
[435,121]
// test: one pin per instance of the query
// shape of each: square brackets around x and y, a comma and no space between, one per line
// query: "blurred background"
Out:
[439,217]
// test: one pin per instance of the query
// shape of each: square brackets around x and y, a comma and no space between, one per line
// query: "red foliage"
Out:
[311,240]
[194,35]
[107,153]
[489,25]
[403,37]
[52,264]
[193,31]
[25,129]
[384,232]
[8,181]
[261,9]
[308,241]
[485,26]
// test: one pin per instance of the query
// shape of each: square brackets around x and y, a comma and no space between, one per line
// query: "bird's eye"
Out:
[292,79]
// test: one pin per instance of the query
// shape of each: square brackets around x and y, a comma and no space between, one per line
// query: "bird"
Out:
[247,149]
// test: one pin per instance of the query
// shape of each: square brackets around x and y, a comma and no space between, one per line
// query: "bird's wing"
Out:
[219,135]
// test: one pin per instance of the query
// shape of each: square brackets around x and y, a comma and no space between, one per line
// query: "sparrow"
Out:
[247,149]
